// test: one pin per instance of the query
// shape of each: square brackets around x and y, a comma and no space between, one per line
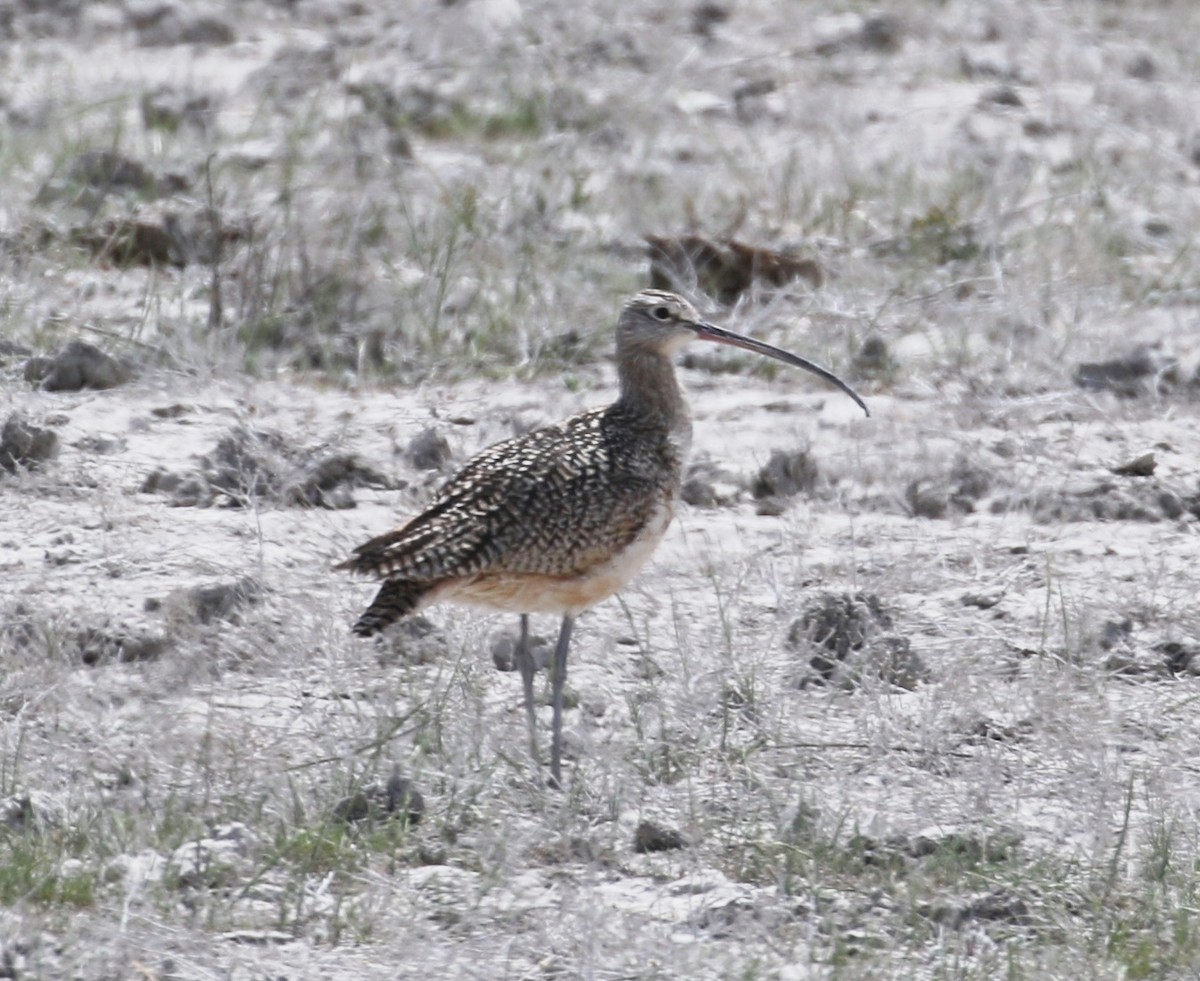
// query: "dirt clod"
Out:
[999,905]
[397,799]
[504,646]
[214,601]
[786,474]
[78,365]
[97,645]
[1124,376]
[259,465]
[848,636]
[414,640]
[724,268]
[653,837]
[25,446]
[428,450]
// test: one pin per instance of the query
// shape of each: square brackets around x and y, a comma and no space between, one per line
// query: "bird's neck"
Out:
[650,389]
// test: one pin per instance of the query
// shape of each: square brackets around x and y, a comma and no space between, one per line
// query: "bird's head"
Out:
[662,322]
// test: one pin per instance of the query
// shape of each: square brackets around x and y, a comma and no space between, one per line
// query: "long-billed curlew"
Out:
[560,518]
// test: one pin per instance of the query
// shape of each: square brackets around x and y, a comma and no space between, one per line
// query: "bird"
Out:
[562,517]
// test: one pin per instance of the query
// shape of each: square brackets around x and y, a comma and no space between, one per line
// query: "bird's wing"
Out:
[554,501]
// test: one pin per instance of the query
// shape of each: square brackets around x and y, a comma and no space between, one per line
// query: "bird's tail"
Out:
[396,598]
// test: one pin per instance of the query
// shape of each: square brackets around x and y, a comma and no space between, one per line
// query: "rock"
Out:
[24,446]
[78,365]
[653,837]
[1141,466]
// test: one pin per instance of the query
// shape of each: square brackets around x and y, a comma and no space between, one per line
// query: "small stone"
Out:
[1002,95]
[983,601]
[1142,67]
[1141,466]
[173,411]
[1170,504]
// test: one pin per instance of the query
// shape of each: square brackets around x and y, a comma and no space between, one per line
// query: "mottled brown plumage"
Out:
[560,518]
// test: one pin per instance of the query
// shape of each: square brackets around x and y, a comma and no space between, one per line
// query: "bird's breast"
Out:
[521,592]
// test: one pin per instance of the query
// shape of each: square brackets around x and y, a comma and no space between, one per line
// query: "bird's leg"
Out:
[557,680]
[523,655]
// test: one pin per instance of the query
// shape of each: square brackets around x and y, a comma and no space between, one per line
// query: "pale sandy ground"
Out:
[1043,728]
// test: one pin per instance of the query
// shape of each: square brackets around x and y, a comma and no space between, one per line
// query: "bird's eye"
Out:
[661,313]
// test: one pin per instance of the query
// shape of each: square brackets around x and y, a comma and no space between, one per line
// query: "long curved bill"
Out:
[719,335]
